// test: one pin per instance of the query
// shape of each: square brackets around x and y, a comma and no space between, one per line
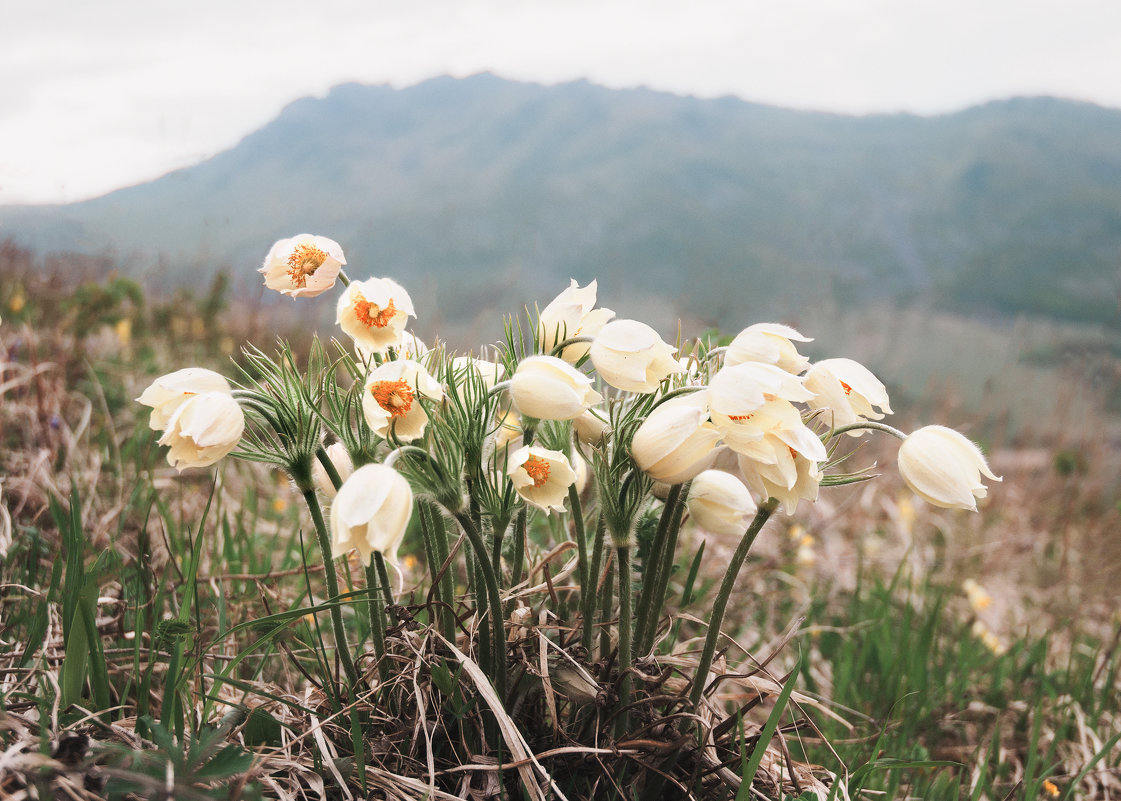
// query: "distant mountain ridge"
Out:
[483,190]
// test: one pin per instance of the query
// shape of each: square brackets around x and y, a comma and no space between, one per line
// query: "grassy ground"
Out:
[159,636]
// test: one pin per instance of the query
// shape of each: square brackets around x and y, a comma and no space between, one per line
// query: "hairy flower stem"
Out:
[435,536]
[656,572]
[606,604]
[590,591]
[377,620]
[721,604]
[519,547]
[625,636]
[329,468]
[581,540]
[870,425]
[324,538]
[493,602]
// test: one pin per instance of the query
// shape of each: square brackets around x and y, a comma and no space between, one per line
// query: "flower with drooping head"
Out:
[571,314]
[204,428]
[786,475]
[371,513]
[549,388]
[630,356]
[303,266]
[768,343]
[720,503]
[374,313]
[342,463]
[391,404]
[944,468]
[758,434]
[740,389]
[676,441]
[168,392]
[541,476]
[591,429]
[849,390]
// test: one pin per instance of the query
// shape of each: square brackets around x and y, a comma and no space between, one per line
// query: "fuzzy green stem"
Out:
[625,637]
[332,585]
[436,551]
[383,578]
[606,603]
[519,546]
[588,597]
[560,346]
[581,539]
[377,620]
[871,425]
[493,602]
[721,604]
[655,573]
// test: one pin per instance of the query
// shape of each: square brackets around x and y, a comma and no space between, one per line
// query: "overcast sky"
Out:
[98,95]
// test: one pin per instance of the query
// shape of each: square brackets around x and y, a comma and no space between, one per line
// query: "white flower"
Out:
[676,440]
[390,400]
[549,388]
[339,457]
[541,476]
[303,266]
[371,513]
[849,390]
[630,356]
[490,372]
[374,313]
[168,392]
[769,343]
[720,503]
[590,428]
[571,314]
[741,389]
[944,468]
[203,429]
[789,478]
[757,433]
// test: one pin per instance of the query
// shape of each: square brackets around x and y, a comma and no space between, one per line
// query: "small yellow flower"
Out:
[279,504]
[123,330]
[978,597]
[18,301]
[1050,788]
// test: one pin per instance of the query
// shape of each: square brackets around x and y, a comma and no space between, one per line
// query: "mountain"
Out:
[480,191]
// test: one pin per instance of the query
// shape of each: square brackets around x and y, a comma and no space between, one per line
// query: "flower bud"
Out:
[944,468]
[371,513]
[720,503]
[541,477]
[168,392]
[303,266]
[548,388]
[676,441]
[590,428]
[203,429]
[340,458]
[630,356]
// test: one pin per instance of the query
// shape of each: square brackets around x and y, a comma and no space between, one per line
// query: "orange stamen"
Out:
[396,397]
[538,470]
[740,418]
[847,388]
[370,314]
[304,261]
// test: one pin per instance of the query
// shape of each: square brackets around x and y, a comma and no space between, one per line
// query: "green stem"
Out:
[588,599]
[519,546]
[726,586]
[606,603]
[332,585]
[436,552]
[869,425]
[383,578]
[625,637]
[655,572]
[377,620]
[329,467]
[493,600]
[581,540]
[661,589]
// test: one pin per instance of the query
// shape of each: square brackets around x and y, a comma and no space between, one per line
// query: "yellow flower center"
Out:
[740,418]
[370,314]
[304,261]
[847,388]
[538,470]
[396,397]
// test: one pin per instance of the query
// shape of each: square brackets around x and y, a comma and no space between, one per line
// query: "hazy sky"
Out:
[97,95]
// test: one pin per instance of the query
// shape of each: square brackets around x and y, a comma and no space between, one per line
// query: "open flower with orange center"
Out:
[374,313]
[848,390]
[541,477]
[391,400]
[303,266]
